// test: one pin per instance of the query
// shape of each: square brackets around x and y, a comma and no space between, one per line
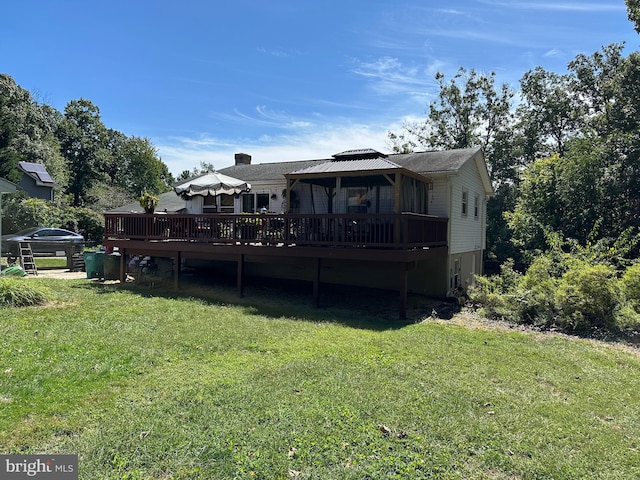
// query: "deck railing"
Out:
[400,231]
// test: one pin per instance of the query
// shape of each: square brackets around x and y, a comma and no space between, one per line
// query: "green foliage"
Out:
[21,292]
[149,202]
[20,212]
[587,290]
[85,221]
[633,11]
[587,298]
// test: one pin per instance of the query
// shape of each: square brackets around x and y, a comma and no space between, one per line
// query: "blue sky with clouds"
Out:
[283,79]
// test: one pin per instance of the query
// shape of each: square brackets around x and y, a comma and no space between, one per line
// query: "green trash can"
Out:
[94,264]
[14,271]
[112,266]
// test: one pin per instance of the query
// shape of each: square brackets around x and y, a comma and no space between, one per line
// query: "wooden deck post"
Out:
[123,265]
[240,275]
[404,291]
[316,283]
[176,272]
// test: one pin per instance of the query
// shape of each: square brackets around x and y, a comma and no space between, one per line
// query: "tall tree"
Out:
[471,111]
[143,170]
[27,132]
[83,140]
[550,114]
[633,11]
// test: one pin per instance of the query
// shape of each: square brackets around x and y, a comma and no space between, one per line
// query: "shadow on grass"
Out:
[355,307]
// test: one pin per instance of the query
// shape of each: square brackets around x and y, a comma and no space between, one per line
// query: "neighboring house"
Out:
[414,222]
[36,181]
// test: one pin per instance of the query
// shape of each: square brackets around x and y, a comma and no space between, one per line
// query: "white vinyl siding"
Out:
[467,231]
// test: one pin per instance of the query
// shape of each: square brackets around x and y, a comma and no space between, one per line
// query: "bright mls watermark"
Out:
[47,467]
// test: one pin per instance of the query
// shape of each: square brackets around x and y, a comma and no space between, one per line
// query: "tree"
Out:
[471,111]
[83,140]
[633,12]
[143,170]
[27,133]
[551,113]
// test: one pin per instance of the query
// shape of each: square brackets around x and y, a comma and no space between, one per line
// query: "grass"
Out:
[146,385]
[51,262]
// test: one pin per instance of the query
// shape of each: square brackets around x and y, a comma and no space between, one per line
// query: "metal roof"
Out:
[364,165]
[358,154]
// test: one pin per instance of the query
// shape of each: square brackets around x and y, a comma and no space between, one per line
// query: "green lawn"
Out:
[145,386]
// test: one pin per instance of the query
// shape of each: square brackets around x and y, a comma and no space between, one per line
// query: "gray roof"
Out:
[268,171]
[445,161]
[6,186]
[169,202]
[426,163]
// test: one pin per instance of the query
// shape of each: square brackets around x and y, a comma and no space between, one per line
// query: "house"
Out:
[36,181]
[409,222]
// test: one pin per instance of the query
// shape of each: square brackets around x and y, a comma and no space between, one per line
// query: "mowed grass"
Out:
[143,385]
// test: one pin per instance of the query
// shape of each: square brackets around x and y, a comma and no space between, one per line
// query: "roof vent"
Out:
[359,154]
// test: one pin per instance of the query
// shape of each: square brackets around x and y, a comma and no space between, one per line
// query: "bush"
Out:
[18,292]
[539,285]
[498,295]
[587,298]
[630,285]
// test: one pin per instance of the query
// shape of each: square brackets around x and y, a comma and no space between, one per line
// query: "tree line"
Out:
[563,228]
[95,168]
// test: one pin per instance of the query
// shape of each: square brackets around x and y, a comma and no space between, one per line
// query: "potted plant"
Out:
[149,202]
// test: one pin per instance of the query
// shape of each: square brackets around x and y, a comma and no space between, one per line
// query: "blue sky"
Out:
[283,79]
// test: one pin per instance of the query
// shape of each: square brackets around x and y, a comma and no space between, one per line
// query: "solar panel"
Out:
[37,167]
[44,177]
[38,170]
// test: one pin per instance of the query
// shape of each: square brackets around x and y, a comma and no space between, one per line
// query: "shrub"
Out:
[498,295]
[628,321]
[18,292]
[630,285]
[587,298]
[539,285]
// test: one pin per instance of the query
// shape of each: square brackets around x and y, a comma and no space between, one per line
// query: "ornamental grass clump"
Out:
[18,292]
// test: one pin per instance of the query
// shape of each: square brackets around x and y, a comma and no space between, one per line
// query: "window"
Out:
[476,206]
[248,203]
[253,202]
[226,203]
[465,202]
[209,204]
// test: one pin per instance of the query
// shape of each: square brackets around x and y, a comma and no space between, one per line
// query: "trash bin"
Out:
[14,271]
[94,264]
[112,266]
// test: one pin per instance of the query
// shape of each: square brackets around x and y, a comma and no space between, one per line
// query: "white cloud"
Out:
[186,153]
[389,76]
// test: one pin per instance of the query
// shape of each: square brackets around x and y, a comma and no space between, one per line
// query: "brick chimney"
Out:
[243,159]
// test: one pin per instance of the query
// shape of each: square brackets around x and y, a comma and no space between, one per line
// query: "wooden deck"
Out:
[400,239]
